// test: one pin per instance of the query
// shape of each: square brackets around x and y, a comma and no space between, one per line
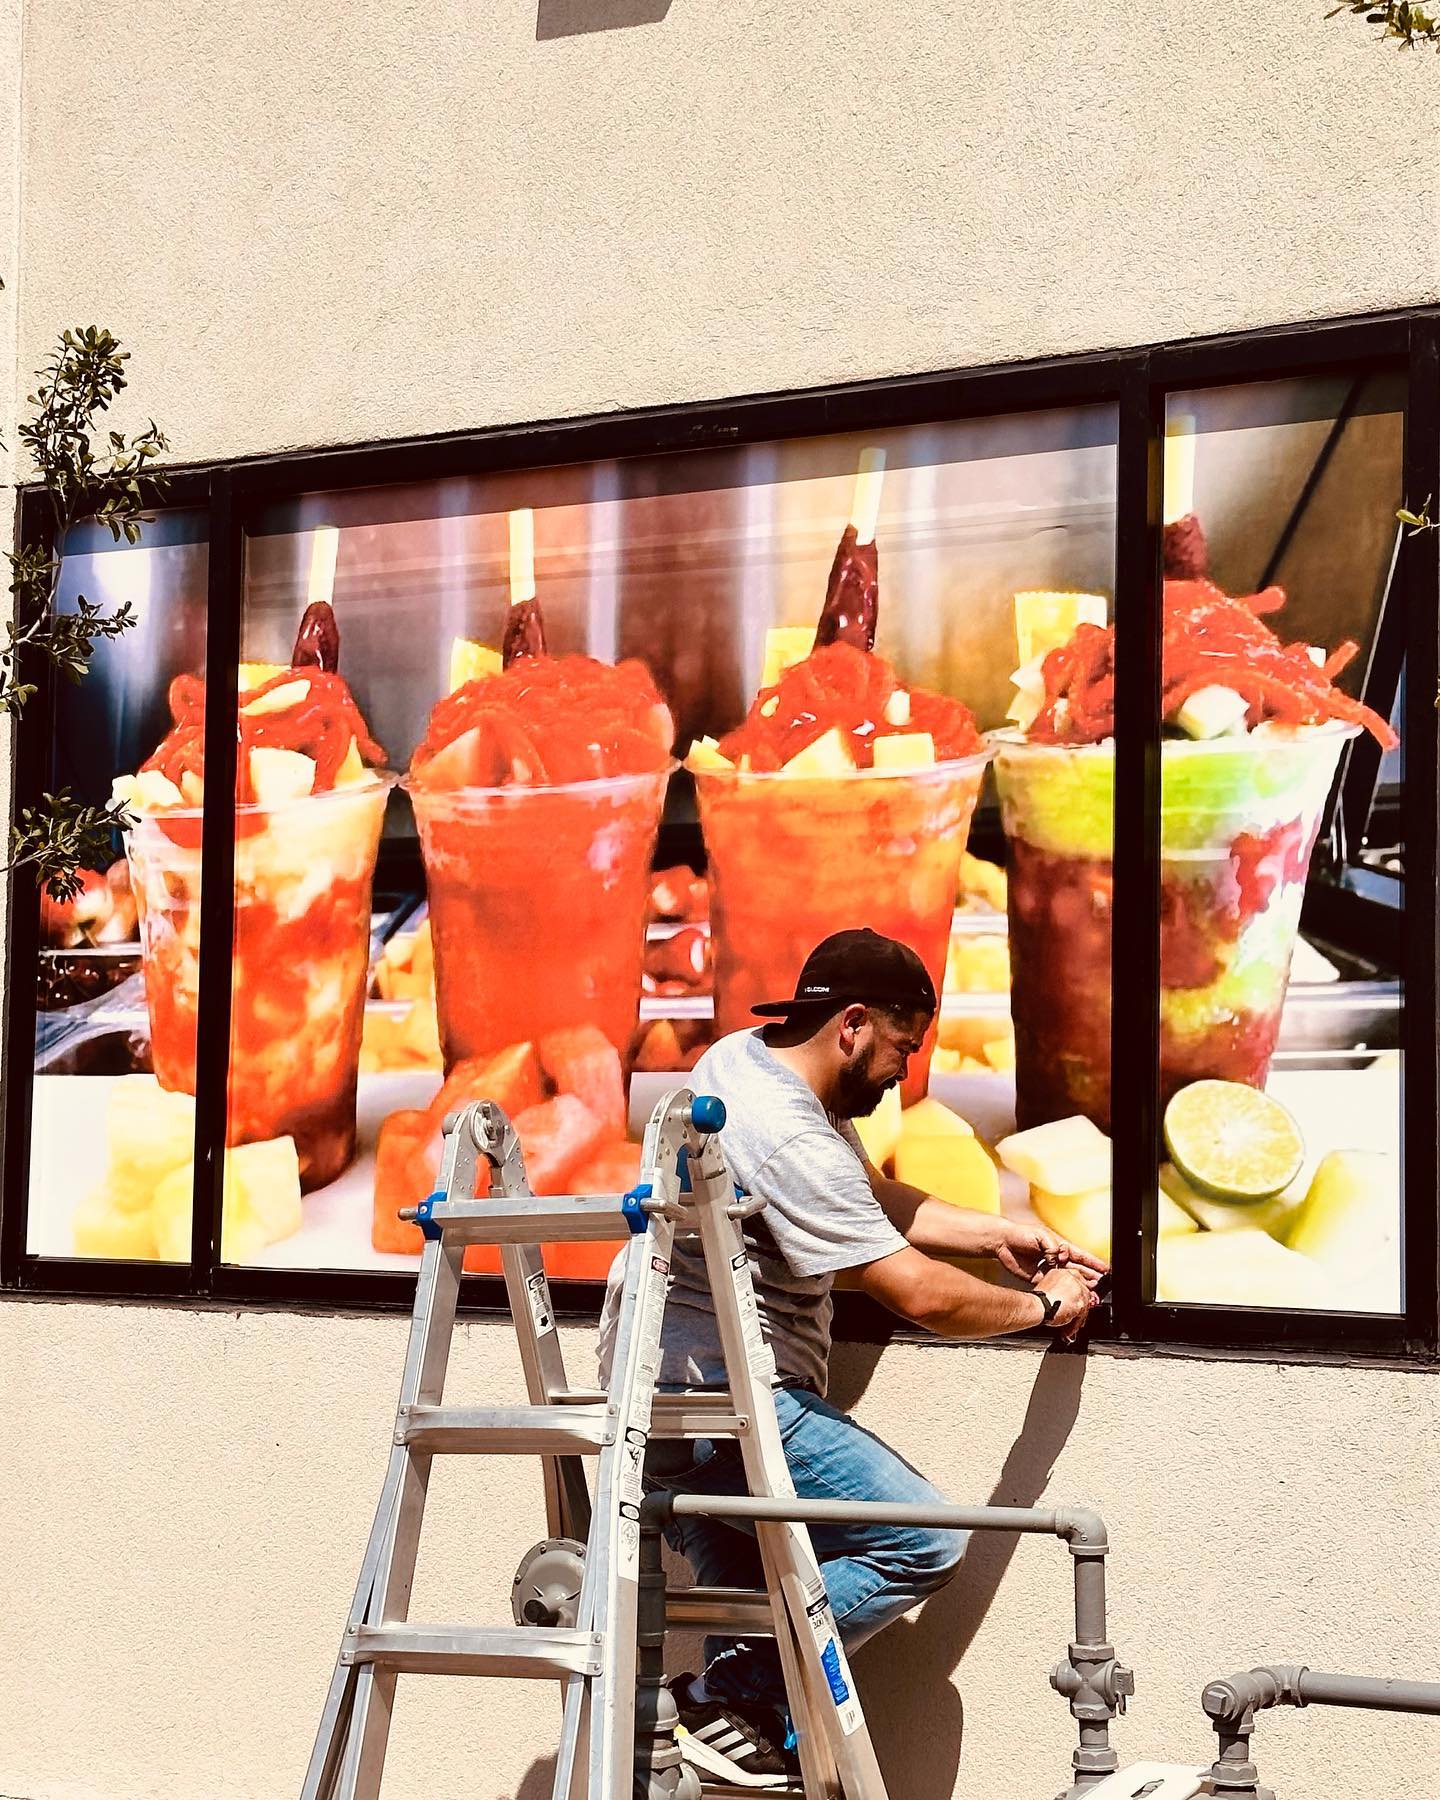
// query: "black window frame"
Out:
[1134,382]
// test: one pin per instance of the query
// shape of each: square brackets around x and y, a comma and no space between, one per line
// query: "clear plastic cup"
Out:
[537,907]
[300,961]
[794,858]
[1238,822]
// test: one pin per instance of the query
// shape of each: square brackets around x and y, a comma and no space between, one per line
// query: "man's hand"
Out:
[1071,1287]
[1028,1250]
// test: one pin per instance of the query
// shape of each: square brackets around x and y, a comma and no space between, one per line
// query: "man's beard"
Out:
[857,1091]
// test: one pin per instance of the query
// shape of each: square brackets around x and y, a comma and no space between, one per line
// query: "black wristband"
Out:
[1050,1303]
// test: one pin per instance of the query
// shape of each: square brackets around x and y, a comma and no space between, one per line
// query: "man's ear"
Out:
[851,1019]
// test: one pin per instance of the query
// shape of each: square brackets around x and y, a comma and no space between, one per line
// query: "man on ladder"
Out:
[861,1008]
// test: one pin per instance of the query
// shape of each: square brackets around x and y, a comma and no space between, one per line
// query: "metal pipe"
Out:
[1232,1703]
[1369,1691]
[1091,1679]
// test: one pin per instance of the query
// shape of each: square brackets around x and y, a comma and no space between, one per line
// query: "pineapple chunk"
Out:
[171,1211]
[278,700]
[986,879]
[897,708]
[157,790]
[262,1189]
[1085,1218]
[1349,1223]
[280,775]
[1272,1216]
[352,771]
[1045,620]
[1212,712]
[1000,1054]
[956,1169]
[1067,1156]
[255,675]
[149,1131]
[978,965]
[470,661]
[931,1118]
[262,1202]
[829,755]
[880,1130]
[103,1229]
[906,750]
[149,791]
[939,1153]
[1239,1268]
[705,753]
[785,645]
[192,787]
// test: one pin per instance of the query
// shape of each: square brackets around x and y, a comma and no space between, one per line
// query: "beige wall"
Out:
[359,220]
[344,222]
[186,1496]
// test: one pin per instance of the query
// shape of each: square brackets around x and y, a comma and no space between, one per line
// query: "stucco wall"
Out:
[186,1496]
[344,222]
[348,221]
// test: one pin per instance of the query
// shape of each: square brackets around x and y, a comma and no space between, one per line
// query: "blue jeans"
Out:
[873,1574]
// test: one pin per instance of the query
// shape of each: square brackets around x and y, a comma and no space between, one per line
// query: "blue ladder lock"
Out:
[707,1112]
[633,1206]
[429,1226]
[682,1164]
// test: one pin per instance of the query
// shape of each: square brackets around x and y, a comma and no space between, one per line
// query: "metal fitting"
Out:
[1095,1684]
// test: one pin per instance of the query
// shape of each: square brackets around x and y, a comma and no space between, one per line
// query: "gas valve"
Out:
[1095,1684]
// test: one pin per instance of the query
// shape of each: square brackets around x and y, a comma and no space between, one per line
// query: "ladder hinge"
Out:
[633,1205]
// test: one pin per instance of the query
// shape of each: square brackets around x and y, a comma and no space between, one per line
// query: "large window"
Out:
[1164,910]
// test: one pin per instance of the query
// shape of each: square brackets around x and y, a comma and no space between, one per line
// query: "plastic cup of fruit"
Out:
[793,858]
[537,906]
[1238,822]
[301,953]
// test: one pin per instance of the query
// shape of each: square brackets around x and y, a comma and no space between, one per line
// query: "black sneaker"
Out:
[731,1741]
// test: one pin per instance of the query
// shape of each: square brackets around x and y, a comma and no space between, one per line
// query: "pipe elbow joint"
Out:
[1082,1530]
[1229,1700]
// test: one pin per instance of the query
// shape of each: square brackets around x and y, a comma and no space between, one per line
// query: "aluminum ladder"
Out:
[684,1186]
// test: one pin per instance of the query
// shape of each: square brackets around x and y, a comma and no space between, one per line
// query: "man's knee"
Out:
[931,1556]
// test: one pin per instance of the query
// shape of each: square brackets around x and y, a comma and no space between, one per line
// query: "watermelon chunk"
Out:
[407,1160]
[582,1061]
[511,1078]
[558,1137]
[612,1169]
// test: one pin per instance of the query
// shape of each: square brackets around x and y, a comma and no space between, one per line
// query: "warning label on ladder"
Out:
[832,1662]
[537,1292]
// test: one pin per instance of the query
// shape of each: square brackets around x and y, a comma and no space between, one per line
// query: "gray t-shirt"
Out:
[820,1216]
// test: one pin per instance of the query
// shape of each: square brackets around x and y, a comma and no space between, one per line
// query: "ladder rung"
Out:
[719,1791]
[720,1609]
[696,1415]
[520,1651]
[563,1219]
[507,1430]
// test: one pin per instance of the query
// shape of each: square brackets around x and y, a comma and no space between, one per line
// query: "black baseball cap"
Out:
[857,967]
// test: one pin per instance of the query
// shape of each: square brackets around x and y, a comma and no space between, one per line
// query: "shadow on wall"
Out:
[576,18]
[916,1718]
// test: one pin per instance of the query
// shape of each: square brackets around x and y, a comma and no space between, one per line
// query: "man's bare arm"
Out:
[956,1305]
[936,1226]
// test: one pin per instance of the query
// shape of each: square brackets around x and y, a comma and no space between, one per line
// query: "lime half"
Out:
[1232,1141]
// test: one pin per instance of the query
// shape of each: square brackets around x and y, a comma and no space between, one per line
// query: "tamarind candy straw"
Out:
[524,626]
[852,595]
